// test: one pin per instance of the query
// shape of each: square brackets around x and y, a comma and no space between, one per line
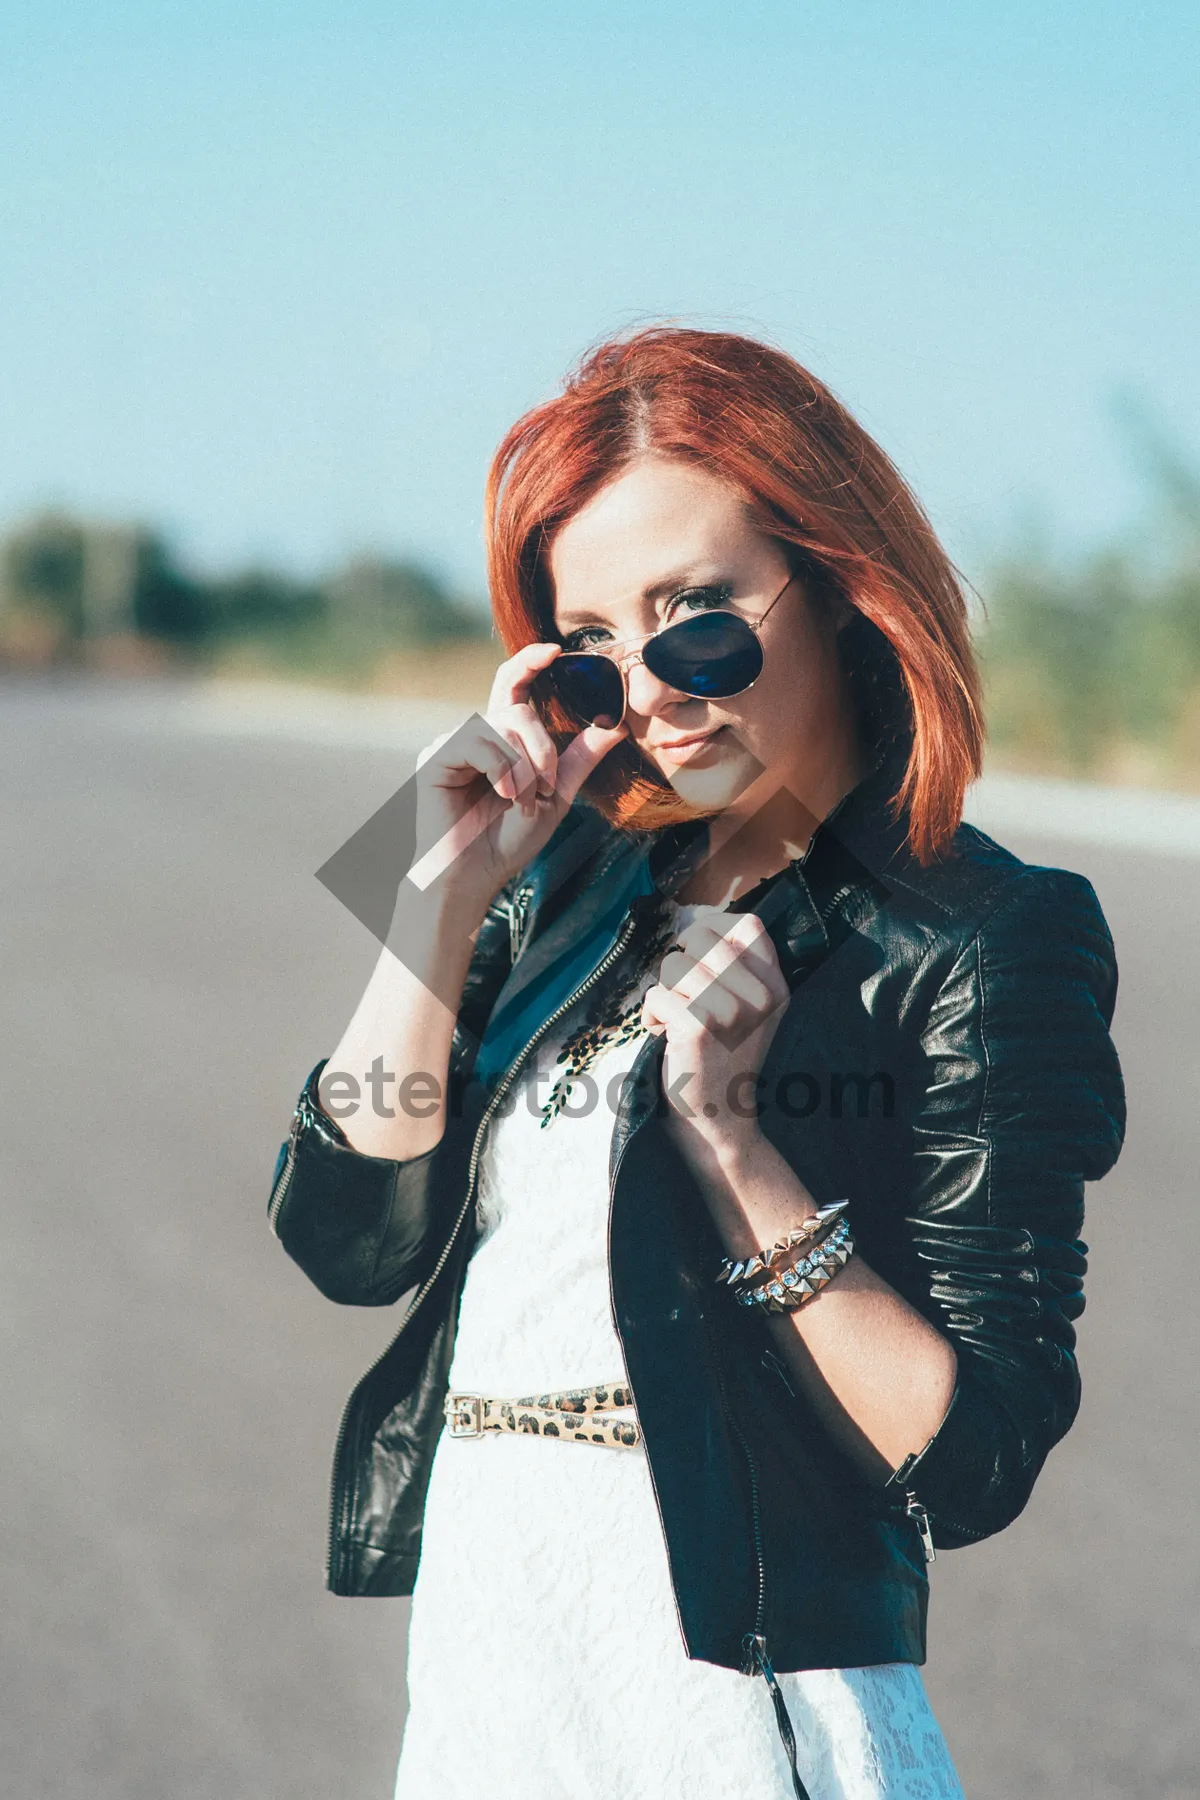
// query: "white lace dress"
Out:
[545,1660]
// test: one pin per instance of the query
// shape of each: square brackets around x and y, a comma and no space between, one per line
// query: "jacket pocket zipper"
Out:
[338,1508]
[920,1519]
[518,914]
[279,1192]
[916,1511]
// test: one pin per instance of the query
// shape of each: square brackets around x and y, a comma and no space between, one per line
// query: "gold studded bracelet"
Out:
[791,1287]
[732,1271]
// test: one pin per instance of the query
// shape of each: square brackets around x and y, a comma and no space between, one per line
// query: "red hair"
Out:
[816,483]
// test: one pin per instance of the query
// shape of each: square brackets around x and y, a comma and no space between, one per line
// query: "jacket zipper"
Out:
[612,1306]
[337,1510]
[278,1196]
[755,1657]
[917,1512]
[920,1519]
[760,1558]
[755,1639]
[518,913]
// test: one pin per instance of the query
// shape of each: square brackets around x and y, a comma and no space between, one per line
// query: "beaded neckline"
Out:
[619,1021]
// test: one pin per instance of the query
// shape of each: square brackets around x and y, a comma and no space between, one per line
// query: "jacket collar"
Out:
[862,823]
[805,908]
[853,849]
[849,852]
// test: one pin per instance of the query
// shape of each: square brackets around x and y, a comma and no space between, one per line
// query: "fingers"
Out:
[739,963]
[511,688]
[712,948]
[662,1007]
[514,679]
[424,755]
[476,749]
[696,981]
[688,1019]
[526,733]
[582,755]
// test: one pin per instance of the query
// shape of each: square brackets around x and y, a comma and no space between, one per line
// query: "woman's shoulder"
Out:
[979,892]
[982,886]
[1010,956]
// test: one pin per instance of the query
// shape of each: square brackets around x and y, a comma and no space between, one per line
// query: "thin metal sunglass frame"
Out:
[623,665]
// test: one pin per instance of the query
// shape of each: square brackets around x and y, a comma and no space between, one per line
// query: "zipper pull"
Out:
[754,1655]
[771,1361]
[920,1519]
[757,1662]
[517,909]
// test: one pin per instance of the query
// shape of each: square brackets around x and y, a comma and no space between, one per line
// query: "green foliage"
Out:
[94,581]
[166,603]
[43,570]
[1085,659]
[400,599]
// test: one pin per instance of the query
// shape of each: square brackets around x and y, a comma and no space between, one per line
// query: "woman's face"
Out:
[664,540]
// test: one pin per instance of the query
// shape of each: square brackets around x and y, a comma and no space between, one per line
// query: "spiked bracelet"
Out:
[732,1270]
[792,1287]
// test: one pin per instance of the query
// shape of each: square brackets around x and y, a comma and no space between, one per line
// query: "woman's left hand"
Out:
[719,1000]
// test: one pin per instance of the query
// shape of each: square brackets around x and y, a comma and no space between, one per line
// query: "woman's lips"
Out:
[685,749]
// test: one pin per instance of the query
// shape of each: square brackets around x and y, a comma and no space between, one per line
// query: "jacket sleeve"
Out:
[357,1225]
[363,1227]
[1022,1102]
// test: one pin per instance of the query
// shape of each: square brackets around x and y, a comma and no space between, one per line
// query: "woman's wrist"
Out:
[433,933]
[752,1191]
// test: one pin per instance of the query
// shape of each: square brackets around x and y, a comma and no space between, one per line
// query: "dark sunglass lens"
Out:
[711,656]
[590,687]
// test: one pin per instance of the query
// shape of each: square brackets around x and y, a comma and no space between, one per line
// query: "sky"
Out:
[277,278]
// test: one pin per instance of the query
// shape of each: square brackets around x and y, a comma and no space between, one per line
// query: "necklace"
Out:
[611,1020]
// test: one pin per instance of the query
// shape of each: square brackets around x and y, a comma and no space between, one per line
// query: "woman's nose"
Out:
[647,694]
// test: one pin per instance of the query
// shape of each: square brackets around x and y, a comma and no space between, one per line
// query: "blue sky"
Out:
[278,277]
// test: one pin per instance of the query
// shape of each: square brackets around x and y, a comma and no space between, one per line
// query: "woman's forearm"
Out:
[879,1374]
[396,1049]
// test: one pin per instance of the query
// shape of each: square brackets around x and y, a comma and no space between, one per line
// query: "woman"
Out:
[744,1099]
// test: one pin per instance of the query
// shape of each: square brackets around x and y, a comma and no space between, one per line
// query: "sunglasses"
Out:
[708,657]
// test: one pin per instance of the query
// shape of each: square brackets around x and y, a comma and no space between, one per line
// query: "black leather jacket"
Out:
[945,1063]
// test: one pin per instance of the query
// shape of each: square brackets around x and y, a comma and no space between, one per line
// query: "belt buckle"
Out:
[464,1415]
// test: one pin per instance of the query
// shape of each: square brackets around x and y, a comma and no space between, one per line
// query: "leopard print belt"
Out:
[593,1415]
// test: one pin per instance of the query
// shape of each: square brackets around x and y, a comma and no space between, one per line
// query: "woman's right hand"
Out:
[492,792]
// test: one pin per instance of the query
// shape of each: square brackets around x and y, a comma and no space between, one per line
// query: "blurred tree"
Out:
[261,599]
[43,564]
[166,603]
[1083,659]
[87,581]
[403,602]
[95,580]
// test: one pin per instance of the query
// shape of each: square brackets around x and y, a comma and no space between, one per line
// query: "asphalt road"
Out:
[172,1382]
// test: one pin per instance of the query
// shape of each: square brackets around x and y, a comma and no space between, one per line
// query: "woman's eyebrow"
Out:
[654,592]
[671,584]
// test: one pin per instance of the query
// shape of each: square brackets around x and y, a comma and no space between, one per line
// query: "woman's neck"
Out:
[748,844]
